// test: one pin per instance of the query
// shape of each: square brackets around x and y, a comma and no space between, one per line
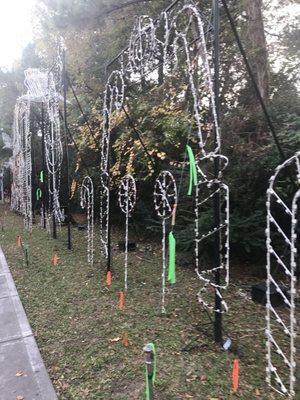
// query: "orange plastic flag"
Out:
[121,301]
[235,375]
[19,241]
[55,260]
[108,278]
[125,340]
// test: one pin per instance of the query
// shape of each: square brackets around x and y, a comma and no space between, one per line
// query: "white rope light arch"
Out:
[281,328]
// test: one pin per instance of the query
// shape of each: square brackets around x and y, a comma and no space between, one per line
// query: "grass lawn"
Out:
[79,327]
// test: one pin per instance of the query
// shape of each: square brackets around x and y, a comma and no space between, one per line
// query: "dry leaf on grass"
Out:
[117,339]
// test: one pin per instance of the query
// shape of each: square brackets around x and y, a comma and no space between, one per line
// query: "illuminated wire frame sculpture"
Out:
[113,100]
[21,162]
[281,268]
[87,202]
[154,44]
[41,88]
[127,201]
[179,35]
[206,191]
[165,201]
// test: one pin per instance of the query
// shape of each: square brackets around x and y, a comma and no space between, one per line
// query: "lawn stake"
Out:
[125,340]
[19,241]
[55,260]
[235,375]
[150,360]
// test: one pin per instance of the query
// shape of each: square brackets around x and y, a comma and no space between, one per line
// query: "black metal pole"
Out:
[43,167]
[218,303]
[109,256]
[67,150]
[54,230]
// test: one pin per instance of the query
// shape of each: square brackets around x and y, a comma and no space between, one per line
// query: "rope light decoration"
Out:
[143,45]
[113,100]
[127,201]
[176,38]
[281,361]
[41,88]
[206,190]
[87,202]
[165,201]
[22,163]
[179,34]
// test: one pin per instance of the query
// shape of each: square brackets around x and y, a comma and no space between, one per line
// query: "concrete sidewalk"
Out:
[22,372]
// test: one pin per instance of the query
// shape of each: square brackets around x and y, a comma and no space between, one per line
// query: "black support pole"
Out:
[66,150]
[216,261]
[44,199]
[109,255]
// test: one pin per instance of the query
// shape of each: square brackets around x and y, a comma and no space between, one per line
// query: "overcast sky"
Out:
[15,29]
[16,21]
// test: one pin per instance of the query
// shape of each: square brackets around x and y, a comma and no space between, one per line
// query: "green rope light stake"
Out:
[150,359]
[172,259]
[42,176]
[193,170]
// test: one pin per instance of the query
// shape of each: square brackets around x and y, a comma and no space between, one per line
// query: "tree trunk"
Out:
[258,58]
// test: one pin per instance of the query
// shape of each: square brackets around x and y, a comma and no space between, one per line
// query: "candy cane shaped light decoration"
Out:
[281,326]
[127,201]
[206,190]
[87,202]
[165,201]
[178,38]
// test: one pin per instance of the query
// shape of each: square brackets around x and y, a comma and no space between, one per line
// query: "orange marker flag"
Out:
[19,241]
[121,301]
[125,340]
[235,375]
[108,278]
[55,260]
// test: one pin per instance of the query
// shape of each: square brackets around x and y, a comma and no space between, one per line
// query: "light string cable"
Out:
[281,358]
[127,200]
[87,202]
